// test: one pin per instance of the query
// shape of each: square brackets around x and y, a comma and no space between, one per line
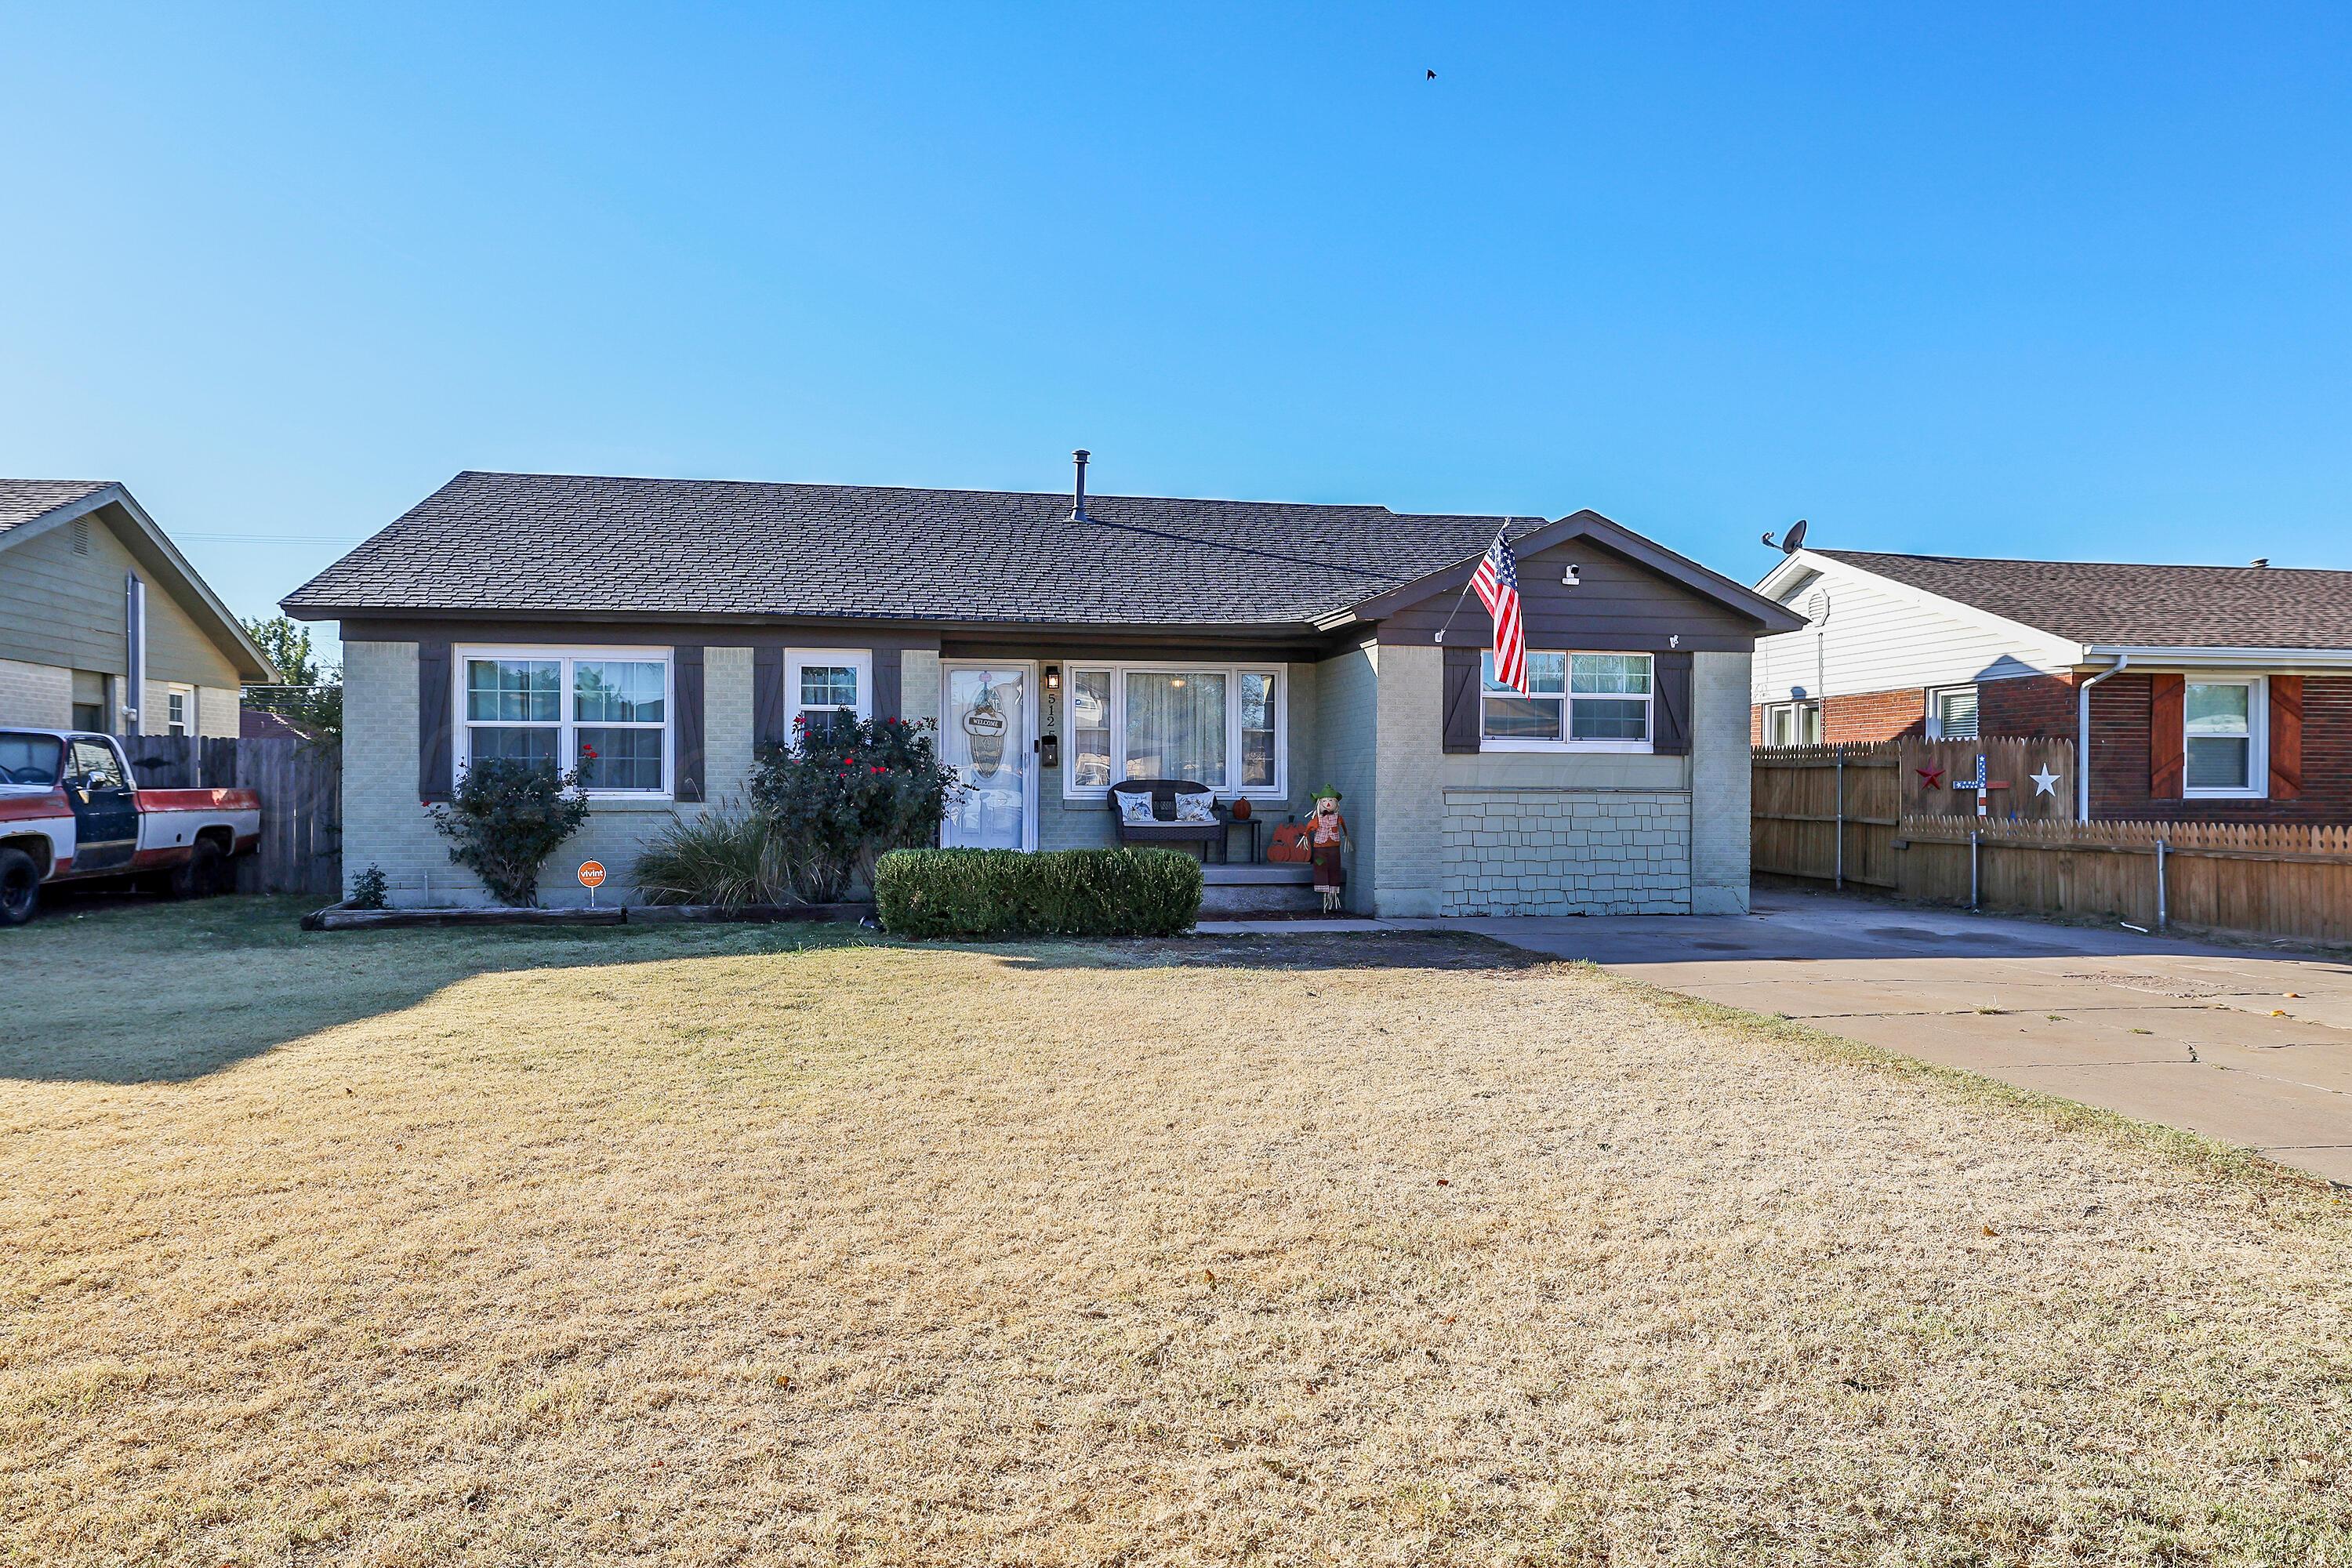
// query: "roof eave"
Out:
[1737,597]
[2151,656]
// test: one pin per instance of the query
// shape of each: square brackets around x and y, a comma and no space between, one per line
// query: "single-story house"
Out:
[657,630]
[2219,693]
[103,623]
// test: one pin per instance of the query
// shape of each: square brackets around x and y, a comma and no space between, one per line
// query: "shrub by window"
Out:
[505,818]
[1064,893]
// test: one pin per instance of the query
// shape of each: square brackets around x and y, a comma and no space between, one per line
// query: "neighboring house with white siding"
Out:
[654,632]
[103,623]
[2210,692]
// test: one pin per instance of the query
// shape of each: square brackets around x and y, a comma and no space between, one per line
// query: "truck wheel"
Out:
[199,876]
[20,887]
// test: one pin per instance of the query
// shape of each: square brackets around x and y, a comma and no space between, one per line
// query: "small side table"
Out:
[1253,823]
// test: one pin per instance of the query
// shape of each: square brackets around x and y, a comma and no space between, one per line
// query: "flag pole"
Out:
[1458,598]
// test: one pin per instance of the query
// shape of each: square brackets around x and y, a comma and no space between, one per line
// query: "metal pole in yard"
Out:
[1839,866]
[2161,913]
[1972,869]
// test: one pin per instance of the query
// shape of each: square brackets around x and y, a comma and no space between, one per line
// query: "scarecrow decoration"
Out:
[1327,840]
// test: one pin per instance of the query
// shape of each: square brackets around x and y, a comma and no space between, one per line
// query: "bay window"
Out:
[2221,726]
[1583,701]
[1219,727]
[606,714]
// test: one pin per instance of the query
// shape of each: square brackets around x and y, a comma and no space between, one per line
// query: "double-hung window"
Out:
[821,682]
[1580,701]
[1792,725]
[180,710]
[1952,713]
[2222,733]
[1218,726]
[605,713]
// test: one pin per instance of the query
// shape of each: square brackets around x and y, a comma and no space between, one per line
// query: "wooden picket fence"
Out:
[2273,879]
[301,787]
[1832,813]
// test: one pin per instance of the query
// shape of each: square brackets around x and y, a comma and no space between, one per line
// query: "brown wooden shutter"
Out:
[768,697]
[432,697]
[887,698]
[1673,737]
[686,725]
[1463,703]
[2166,736]
[2286,736]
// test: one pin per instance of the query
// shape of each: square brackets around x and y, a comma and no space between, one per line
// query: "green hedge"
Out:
[1064,893]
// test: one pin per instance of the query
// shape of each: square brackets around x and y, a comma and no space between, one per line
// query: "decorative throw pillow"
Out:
[1134,808]
[1196,806]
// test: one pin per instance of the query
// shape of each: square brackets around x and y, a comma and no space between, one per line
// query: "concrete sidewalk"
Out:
[2250,1047]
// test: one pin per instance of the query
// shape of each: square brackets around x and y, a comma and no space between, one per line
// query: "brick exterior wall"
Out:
[385,825]
[2120,720]
[1565,852]
[1459,833]
[1874,716]
[37,695]
[2024,705]
[2028,705]
[1720,777]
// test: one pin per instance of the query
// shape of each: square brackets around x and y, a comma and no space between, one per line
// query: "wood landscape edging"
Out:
[343,917]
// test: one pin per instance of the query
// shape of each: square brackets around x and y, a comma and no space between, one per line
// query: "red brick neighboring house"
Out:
[2217,693]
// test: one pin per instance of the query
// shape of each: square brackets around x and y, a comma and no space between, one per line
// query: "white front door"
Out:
[991,722]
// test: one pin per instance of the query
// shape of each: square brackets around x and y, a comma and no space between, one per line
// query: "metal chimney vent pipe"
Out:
[1078,496]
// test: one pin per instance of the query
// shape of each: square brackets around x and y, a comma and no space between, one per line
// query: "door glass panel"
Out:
[986,741]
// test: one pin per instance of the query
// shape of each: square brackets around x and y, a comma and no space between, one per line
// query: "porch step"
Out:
[1229,892]
[1273,873]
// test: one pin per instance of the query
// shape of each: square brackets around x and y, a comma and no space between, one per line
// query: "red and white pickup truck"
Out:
[71,809]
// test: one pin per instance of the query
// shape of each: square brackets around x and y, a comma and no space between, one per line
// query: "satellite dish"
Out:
[1791,544]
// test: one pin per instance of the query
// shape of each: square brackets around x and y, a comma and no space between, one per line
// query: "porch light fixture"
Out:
[1053,678]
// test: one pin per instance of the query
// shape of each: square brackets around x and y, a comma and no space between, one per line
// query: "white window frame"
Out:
[1567,700]
[1066,712]
[1935,725]
[567,728]
[796,659]
[187,721]
[1772,710]
[2258,740]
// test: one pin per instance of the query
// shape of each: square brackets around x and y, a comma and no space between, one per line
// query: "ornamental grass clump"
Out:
[506,818]
[848,790]
[731,855]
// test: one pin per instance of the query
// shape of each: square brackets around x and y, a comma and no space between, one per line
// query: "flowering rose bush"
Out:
[846,790]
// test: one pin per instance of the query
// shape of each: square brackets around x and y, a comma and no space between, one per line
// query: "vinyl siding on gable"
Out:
[60,608]
[1878,636]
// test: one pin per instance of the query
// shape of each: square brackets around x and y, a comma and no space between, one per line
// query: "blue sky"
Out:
[2034,280]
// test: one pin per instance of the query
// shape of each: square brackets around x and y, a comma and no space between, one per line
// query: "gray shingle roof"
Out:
[28,500]
[2114,604]
[488,542]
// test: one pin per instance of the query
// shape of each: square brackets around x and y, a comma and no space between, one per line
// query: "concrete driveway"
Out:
[2248,1046]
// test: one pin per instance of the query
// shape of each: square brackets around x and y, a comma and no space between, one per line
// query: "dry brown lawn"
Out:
[680,1246]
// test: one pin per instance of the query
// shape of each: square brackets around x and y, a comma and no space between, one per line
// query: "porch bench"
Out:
[1164,829]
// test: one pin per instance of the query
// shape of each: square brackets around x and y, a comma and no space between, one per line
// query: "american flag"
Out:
[1497,583]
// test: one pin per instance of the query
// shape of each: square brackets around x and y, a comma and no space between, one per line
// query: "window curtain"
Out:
[1176,727]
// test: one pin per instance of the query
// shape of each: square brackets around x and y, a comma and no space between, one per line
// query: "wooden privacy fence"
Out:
[1833,812]
[301,787]
[2265,878]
